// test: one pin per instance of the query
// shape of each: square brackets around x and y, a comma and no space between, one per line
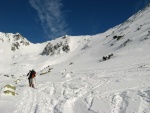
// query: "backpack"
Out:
[31,74]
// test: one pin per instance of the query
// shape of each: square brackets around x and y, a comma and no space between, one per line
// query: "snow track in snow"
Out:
[28,102]
[90,92]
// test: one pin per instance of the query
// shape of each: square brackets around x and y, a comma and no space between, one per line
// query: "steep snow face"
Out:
[107,72]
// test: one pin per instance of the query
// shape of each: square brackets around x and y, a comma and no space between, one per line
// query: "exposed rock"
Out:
[107,57]
[56,49]
[117,37]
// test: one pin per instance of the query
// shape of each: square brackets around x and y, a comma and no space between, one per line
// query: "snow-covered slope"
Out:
[104,73]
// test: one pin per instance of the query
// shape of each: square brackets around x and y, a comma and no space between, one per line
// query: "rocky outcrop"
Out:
[16,40]
[56,48]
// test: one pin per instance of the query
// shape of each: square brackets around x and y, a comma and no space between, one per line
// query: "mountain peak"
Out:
[15,40]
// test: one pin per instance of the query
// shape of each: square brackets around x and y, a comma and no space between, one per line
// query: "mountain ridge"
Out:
[127,35]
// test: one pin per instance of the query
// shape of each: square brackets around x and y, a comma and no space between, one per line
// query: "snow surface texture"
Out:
[104,73]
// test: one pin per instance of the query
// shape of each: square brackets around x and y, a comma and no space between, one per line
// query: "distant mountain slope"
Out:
[132,35]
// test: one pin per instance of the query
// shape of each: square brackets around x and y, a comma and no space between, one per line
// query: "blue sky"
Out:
[43,20]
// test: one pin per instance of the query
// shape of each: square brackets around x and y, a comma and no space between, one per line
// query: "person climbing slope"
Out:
[31,75]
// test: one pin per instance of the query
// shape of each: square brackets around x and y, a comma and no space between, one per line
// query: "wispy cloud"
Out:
[51,16]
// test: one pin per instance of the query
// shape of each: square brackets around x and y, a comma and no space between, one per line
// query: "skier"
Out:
[31,75]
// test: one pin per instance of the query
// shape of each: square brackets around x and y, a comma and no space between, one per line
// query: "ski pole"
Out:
[36,83]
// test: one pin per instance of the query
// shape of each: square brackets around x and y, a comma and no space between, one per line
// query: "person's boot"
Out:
[33,85]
